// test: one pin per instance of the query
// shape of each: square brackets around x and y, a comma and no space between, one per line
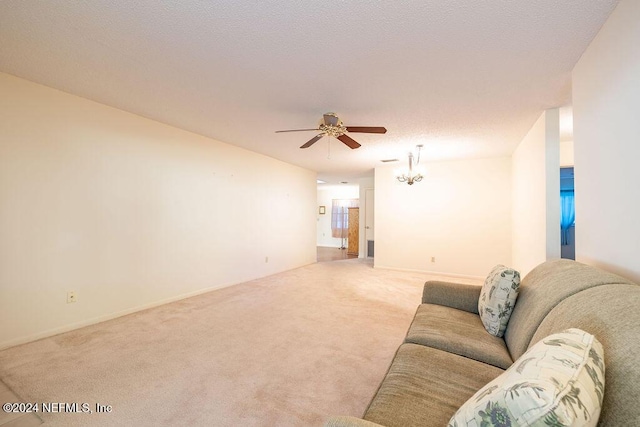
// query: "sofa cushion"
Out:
[544,288]
[497,299]
[558,381]
[459,332]
[347,421]
[450,294]
[611,313]
[425,386]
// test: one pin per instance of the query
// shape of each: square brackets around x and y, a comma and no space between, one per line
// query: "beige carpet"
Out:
[287,350]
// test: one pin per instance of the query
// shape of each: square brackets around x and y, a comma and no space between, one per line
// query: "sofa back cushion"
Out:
[542,289]
[497,298]
[611,313]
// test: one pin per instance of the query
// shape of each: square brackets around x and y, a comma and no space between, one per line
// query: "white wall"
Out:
[552,157]
[460,213]
[365,184]
[128,212]
[536,194]
[566,136]
[606,102]
[566,154]
[326,194]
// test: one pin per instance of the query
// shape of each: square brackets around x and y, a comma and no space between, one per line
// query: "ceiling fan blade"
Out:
[349,142]
[366,129]
[295,130]
[312,141]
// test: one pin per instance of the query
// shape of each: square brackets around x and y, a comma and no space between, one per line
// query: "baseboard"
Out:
[438,273]
[104,318]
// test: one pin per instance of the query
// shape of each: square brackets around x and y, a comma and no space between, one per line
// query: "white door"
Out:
[368,220]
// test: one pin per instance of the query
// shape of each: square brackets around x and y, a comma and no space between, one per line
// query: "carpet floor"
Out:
[290,349]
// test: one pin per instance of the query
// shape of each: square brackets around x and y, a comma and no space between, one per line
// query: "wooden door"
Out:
[354,231]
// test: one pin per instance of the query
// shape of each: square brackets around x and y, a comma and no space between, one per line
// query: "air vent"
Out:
[389,160]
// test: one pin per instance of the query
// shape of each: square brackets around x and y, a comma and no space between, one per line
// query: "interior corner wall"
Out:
[367,183]
[566,154]
[536,194]
[460,213]
[130,213]
[552,172]
[606,101]
[326,194]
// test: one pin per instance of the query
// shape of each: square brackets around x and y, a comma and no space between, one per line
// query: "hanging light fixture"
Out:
[410,177]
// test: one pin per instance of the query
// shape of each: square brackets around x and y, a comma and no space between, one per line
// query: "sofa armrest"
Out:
[349,422]
[454,295]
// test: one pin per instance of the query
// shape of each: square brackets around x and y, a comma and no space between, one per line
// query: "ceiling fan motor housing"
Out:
[332,125]
[331,119]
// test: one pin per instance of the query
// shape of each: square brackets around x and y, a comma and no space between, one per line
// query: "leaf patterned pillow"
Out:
[557,382]
[497,299]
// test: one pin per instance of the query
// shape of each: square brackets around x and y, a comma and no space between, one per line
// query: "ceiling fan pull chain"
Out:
[329,148]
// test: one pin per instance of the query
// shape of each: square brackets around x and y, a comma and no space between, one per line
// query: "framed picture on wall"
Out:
[322,210]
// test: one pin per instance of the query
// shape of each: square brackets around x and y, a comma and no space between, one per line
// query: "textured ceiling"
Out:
[465,78]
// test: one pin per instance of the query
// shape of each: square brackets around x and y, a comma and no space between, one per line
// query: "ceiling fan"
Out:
[332,125]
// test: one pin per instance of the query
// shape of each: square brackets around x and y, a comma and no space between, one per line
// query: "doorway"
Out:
[333,240]
[567,214]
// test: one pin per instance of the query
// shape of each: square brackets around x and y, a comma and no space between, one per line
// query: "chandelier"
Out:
[410,176]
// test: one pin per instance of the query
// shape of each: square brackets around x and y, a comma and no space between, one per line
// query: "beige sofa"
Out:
[447,355]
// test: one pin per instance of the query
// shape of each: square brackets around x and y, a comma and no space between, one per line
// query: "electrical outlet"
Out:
[266,259]
[71,297]
[433,259]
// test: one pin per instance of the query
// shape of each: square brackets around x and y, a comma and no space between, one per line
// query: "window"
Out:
[340,216]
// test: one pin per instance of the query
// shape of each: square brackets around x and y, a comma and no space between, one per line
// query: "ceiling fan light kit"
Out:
[332,126]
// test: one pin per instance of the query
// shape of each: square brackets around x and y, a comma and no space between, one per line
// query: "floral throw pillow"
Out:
[497,299]
[557,382]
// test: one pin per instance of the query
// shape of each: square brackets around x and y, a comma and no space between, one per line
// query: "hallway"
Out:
[326,254]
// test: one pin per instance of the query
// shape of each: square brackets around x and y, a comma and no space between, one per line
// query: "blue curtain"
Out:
[567,214]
